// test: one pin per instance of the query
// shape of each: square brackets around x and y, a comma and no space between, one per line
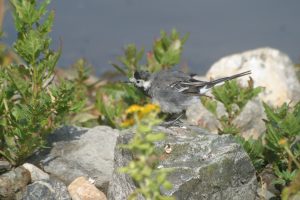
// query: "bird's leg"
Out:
[173,122]
[207,96]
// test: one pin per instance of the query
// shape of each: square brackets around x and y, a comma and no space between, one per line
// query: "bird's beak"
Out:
[131,80]
[128,81]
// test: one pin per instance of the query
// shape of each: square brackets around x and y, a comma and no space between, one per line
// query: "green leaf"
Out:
[209,104]
[255,149]
[113,99]
[19,79]
[118,68]
[167,185]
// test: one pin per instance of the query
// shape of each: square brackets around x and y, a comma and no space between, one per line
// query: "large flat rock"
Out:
[75,152]
[206,166]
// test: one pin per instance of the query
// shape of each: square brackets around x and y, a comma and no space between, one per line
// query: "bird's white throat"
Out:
[141,83]
[146,85]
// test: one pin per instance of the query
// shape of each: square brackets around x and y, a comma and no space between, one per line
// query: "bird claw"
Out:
[176,122]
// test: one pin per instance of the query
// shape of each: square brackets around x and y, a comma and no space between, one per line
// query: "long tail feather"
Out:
[201,87]
[220,80]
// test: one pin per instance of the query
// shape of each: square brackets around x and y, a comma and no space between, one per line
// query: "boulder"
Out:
[198,115]
[36,173]
[51,189]
[12,183]
[249,121]
[76,152]
[4,166]
[270,68]
[205,166]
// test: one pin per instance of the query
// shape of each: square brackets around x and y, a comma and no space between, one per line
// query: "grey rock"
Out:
[78,152]
[206,166]
[266,195]
[36,173]
[4,166]
[198,115]
[13,183]
[51,189]
[250,120]
[121,185]
[268,189]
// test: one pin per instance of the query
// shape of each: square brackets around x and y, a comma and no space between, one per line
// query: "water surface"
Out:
[98,29]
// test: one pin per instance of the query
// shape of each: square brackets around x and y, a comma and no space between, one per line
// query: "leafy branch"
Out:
[166,53]
[234,98]
[143,168]
[30,104]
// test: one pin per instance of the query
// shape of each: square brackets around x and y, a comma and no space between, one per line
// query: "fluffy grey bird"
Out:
[174,91]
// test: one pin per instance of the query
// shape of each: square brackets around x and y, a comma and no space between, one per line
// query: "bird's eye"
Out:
[138,81]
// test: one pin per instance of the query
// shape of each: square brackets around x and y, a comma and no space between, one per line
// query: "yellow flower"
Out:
[141,111]
[150,108]
[133,108]
[282,141]
[128,122]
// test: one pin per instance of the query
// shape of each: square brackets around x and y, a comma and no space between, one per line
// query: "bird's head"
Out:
[141,79]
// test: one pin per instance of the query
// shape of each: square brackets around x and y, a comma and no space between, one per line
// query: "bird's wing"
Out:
[198,87]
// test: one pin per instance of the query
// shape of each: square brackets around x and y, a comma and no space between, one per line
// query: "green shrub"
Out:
[293,189]
[130,60]
[166,53]
[30,104]
[283,127]
[234,98]
[282,146]
[85,86]
[113,99]
[255,150]
[279,147]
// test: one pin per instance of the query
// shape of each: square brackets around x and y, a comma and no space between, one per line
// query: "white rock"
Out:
[250,120]
[270,68]
[35,172]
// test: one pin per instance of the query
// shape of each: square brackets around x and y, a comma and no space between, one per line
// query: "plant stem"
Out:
[292,156]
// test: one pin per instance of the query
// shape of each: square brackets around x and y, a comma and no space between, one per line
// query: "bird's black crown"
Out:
[141,75]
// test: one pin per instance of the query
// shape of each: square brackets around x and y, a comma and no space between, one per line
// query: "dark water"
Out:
[98,29]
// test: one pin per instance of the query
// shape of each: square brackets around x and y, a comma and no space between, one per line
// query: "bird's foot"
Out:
[175,122]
